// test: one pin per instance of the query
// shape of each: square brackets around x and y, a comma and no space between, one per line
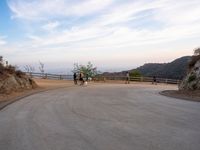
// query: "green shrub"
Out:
[135,73]
[191,78]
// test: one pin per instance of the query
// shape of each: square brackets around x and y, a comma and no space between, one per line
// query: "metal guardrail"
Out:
[50,76]
[102,78]
[138,79]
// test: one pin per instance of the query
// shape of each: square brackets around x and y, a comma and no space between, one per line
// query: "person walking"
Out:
[154,80]
[75,78]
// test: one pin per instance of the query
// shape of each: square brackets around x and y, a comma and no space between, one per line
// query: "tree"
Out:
[41,67]
[3,63]
[88,70]
[195,58]
[135,73]
[197,51]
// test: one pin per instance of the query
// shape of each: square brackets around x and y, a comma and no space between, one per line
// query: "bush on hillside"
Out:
[195,58]
[135,73]
[197,51]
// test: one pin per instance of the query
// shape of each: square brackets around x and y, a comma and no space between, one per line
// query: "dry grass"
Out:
[45,83]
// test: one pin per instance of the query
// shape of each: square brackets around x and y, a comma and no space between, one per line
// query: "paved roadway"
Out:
[101,117]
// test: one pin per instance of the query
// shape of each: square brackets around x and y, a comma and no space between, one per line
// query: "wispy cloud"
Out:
[179,13]
[51,26]
[109,20]
[105,26]
[45,9]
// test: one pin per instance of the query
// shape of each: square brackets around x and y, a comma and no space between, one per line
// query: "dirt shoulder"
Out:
[44,85]
[185,95]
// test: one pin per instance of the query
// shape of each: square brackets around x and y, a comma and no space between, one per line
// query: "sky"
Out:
[113,34]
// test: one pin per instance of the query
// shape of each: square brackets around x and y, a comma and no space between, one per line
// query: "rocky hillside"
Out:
[12,80]
[192,79]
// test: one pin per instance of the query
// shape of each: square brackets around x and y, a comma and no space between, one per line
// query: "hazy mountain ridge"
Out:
[176,69]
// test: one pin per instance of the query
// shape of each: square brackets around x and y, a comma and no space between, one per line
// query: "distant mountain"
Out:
[176,69]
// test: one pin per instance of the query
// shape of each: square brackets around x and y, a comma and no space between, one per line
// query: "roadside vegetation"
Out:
[88,70]
[135,73]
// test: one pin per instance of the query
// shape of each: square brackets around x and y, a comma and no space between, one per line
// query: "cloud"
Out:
[2,40]
[108,20]
[68,27]
[127,12]
[45,9]
[51,26]
[178,13]
[73,36]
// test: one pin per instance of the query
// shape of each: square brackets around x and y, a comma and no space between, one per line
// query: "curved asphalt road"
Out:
[101,117]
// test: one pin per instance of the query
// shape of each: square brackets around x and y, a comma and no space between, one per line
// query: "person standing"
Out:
[81,78]
[127,78]
[75,78]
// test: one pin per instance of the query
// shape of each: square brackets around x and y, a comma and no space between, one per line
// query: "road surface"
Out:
[101,117]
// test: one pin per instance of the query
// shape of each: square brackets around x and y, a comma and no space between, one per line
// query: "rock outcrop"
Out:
[12,80]
[13,83]
[192,80]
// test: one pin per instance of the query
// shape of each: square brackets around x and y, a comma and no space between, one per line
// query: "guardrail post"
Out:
[166,81]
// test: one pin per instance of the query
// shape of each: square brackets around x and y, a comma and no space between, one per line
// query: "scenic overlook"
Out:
[99,74]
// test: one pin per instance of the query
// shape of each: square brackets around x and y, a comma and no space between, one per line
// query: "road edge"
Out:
[13,100]
[168,93]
